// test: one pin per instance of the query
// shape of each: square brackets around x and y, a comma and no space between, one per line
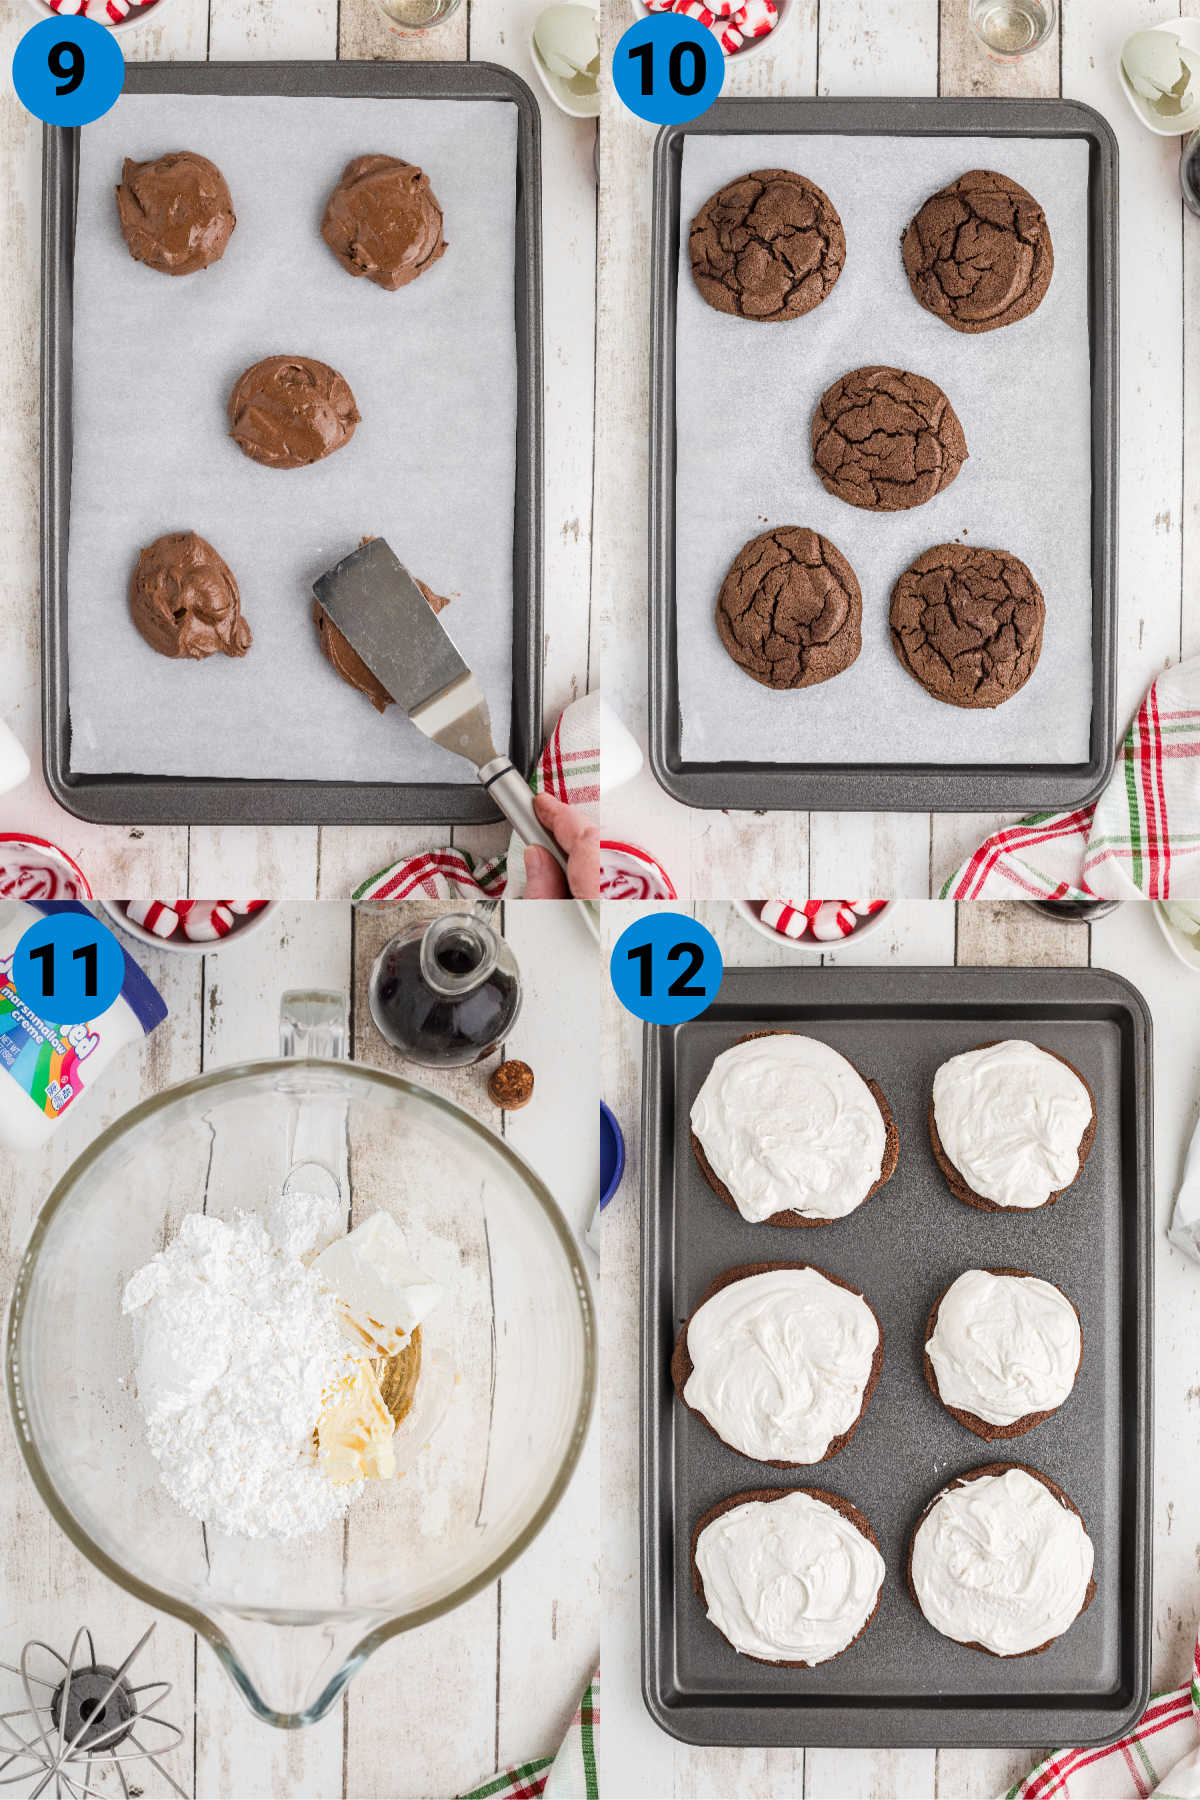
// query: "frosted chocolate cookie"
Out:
[1002,1350]
[176,213]
[791,1578]
[184,600]
[338,653]
[767,246]
[978,254]
[790,609]
[1001,1561]
[383,221]
[1011,1125]
[787,1132]
[780,1360]
[967,624]
[886,440]
[288,411]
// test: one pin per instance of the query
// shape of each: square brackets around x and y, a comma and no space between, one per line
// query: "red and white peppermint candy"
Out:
[656,6]
[112,10]
[833,919]
[31,868]
[206,921]
[755,18]
[693,9]
[153,915]
[728,36]
[67,6]
[866,908]
[630,873]
[723,9]
[784,916]
[244,908]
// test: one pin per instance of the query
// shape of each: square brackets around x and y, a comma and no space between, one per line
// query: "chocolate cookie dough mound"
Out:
[780,1361]
[176,213]
[288,411]
[1011,1125]
[978,254]
[789,1577]
[336,649]
[184,600]
[967,624]
[885,439]
[1003,1350]
[383,221]
[769,246]
[1000,1561]
[790,609]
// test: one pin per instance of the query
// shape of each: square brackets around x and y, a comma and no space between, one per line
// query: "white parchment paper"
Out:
[431,467]
[745,396]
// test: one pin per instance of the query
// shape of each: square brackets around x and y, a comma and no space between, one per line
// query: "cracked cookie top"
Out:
[790,610]
[967,624]
[978,254]
[885,439]
[768,246]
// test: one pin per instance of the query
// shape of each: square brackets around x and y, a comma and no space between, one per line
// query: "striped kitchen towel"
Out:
[568,770]
[1159,1758]
[571,1775]
[1141,839]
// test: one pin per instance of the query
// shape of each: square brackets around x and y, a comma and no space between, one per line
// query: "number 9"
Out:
[66,61]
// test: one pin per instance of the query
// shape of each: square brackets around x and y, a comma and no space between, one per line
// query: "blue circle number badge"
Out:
[68,71]
[68,968]
[666,968]
[668,68]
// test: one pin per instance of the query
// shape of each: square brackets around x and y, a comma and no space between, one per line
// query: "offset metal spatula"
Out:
[375,603]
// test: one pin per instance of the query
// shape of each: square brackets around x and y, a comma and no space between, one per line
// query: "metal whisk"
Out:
[81,1717]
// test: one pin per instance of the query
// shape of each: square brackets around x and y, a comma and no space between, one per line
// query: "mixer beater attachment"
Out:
[82,1717]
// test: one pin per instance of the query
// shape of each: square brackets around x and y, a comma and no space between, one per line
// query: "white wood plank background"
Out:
[436,1710]
[864,47]
[303,862]
[640,1762]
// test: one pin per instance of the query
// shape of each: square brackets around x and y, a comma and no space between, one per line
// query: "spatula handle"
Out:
[514,797]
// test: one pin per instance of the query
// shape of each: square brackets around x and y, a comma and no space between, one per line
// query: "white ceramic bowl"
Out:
[576,106]
[1188,954]
[1188,31]
[761,43]
[137,15]
[809,945]
[116,912]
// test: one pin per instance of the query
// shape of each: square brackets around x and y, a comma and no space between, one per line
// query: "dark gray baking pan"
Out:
[902,1683]
[132,799]
[899,787]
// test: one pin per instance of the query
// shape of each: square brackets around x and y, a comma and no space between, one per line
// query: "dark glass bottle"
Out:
[446,993]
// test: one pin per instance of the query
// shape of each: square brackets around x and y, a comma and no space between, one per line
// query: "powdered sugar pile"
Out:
[237,1345]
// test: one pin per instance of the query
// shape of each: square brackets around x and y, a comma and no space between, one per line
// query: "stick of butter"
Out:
[355,1430]
[383,1294]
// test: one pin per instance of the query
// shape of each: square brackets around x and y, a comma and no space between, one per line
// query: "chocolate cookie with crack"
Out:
[978,254]
[790,609]
[768,246]
[967,624]
[886,440]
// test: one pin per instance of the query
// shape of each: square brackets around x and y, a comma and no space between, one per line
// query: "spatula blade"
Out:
[378,607]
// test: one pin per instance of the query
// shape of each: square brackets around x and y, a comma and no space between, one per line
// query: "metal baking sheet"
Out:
[150,799]
[902,1683]
[940,784]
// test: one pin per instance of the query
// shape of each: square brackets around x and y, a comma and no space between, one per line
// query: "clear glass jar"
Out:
[1009,29]
[412,18]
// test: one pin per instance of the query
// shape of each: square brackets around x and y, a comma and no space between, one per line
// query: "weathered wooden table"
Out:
[437,1709]
[643,1763]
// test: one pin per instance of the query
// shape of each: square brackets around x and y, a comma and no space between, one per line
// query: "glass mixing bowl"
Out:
[511,1347]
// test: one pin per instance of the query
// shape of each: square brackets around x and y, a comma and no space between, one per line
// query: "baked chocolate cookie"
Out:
[383,221]
[982,1344]
[767,246]
[967,624]
[184,600]
[682,1365]
[978,254]
[960,1481]
[789,1215]
[289,411]
[790,609]
[885,439]
[957,1182]
[175,212]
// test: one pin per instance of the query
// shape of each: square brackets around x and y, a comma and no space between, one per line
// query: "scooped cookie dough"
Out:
[967,624]
[383,221]
[885,439]
[184,600]
[176,213]
[978,254]
[336,649]
[790,609]
[768,246]
[288,411]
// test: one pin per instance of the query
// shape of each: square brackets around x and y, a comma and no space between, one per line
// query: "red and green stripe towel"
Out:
[571,1775]
[1159,1758]
[1140,840]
